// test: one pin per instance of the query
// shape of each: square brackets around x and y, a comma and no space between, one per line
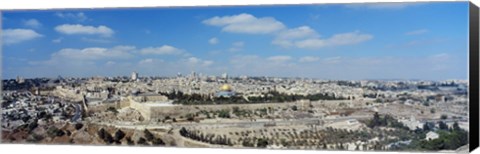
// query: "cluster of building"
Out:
[64,98]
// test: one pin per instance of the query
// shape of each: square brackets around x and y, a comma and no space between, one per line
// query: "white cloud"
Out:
[33,23]
[244,59]
[12,36]
[259,66]
[279,58]
[118,52]
[246,23]
[82,62]
[237,46]
[86,30]
[417,32]
[197,61]
[193,60]
[58,40]
[336,40]
[119,60]
[145,61]
[207,63]
[300,37]
[297,33]
[213,40]
[309,59]
[332,60]
[96,40]
[74,16]
[110,63]
[285,38]
[440,57]
[106,56]
[163,50]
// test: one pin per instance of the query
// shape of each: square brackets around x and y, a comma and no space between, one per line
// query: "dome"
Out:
[226,87]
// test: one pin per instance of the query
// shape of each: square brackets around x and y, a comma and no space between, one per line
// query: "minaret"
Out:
[134,76]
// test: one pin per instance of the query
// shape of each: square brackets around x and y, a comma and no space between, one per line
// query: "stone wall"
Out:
[160,112]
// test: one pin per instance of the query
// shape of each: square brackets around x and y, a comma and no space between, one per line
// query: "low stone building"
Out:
[431,135]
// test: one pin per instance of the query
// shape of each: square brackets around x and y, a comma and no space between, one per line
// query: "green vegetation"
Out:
[240,112]
[105,136]
[190,117]
[78,126]
[450,139]
[262,143]
[148,135]
[224,113]
[443,117]
[294,108]
[385,121]
[119,135]
[207,138]
[112,109]
[270,97]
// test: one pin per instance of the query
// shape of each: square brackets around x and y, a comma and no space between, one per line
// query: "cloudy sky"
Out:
[344,41]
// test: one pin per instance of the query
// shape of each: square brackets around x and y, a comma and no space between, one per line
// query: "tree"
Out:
[105,136]
[119,135]
[142,141]
[112,109]
[224,114]
[158,141]
[60,133]
[129,141]
[262,143]
[78,126]
[376,121]
[426,104]
[148,135]
[428,126]
[32,125]
[442,125]
[101,133]
[108,138]
[456,127]
[190,117]
[294,108]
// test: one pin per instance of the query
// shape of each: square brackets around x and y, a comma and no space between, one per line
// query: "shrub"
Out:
[158,141]
[78,126]
[119,135]
[142,141]
[294,108]
[148,135]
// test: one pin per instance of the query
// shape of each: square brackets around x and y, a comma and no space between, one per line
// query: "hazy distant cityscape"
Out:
[359,77]
[221,111]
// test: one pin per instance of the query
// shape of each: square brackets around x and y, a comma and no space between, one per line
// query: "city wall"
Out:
[105,106]
[152,112]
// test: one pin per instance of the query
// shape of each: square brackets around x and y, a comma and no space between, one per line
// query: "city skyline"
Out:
[334,41]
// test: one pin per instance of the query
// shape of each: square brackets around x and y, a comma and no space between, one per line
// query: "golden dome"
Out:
[226,87]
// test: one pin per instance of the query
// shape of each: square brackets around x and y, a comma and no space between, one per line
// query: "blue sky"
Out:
[335,41]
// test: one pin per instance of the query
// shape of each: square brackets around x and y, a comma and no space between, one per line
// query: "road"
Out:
[78,112]
[242,124]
